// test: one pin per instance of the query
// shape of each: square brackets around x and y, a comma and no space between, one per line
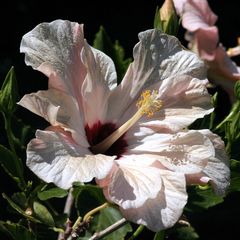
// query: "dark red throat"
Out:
[98,132]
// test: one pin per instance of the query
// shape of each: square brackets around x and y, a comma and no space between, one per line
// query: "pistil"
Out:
[147,105]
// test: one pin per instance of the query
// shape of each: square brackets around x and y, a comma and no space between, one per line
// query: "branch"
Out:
[137,232]
[67,210]
[110,229]
[69,203]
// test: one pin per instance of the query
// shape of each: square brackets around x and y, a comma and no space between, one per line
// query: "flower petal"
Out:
[218,166]
[223,71]
[197,14]
[101,77]
[58,109]
[156,57]
[54,49]
[206,41]
[200,155]
[55,157]
[184,99]
[164,210]
[186,152]
[179,4]
[58,50]
[134,182]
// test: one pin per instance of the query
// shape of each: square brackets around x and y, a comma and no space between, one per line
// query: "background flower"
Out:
[199,20]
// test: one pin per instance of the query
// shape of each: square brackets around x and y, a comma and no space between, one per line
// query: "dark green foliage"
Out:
[113,50]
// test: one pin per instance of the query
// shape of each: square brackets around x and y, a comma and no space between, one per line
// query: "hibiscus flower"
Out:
[199,21]
[132,138]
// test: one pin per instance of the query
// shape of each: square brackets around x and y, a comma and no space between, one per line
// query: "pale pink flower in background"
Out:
[199,21]
[132,138]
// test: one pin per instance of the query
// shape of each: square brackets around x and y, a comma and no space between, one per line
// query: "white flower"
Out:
[132,138]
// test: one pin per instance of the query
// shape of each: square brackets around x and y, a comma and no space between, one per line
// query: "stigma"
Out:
[148,104]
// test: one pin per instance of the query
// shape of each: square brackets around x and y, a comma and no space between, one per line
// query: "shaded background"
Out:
[123,20]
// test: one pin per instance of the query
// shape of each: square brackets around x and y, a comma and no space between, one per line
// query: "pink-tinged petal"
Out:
[163,211]
[55,157]
[54,49]
[197,178]
[184,100]
[206,41]
[59,109]
[100,78]
[134,182]
[100,67]
[223,71]
[218,166]
[200,155]
[197,14]
[40,106]
[156,57]
[185,152]
[179,5]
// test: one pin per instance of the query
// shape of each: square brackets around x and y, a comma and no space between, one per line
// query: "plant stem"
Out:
[77,222]
[233,111]
[81,225]
[93,211]
[69,203]
[67,210]
[108,230]
[137,232]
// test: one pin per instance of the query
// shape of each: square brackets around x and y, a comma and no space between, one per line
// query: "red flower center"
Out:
[98,132]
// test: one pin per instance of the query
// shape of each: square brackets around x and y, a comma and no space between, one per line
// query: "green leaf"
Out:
[9,93]
[52,193]
[103,42]
[212,119]
[200,199]
[157,23]
[184,233]
[11,164]
[121,63]
[114,51]
[172,25]
[19,209]
[235,127]
[166,19]
[43,214]
[87,197]
[159,235]
[235,167]
[237,90]
[24,133]
[235,184]
[60,219]
[44,232]
[20,199]
[107,217]
[16,231]
[235,176]
[229,118]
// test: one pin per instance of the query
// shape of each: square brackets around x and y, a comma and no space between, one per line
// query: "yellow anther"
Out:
[148,103]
